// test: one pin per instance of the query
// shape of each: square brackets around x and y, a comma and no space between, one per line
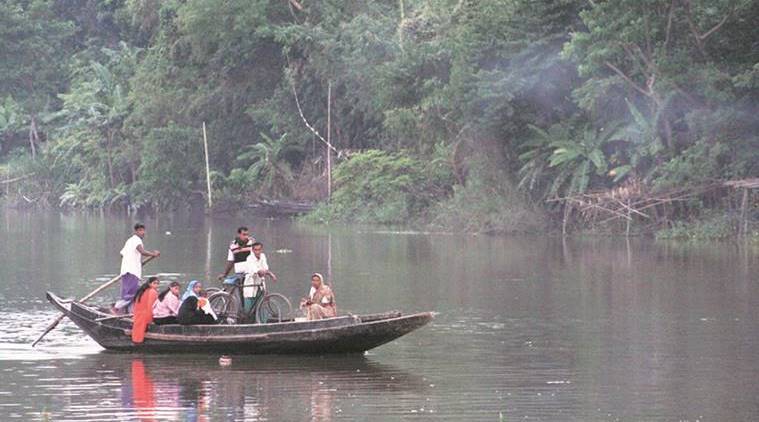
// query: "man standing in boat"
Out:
[131,266]
[256,269]
[239,250]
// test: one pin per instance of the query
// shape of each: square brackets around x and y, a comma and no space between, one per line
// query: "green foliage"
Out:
[380,187]
[11,120]
[91,134]
[184,167]
[564,160]
[560,96]
[488,203]
[710,227]
[270,172]
[33,45]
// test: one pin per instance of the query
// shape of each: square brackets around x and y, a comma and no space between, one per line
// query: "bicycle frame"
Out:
[237,290]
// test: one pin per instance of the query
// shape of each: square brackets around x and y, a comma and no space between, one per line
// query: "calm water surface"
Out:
[529,328]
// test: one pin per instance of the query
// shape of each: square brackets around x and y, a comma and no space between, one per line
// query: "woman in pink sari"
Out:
[320,302]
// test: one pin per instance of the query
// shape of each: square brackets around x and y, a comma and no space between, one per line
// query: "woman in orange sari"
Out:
[143,308]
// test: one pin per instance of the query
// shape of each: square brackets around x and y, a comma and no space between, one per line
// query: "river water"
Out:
[530,328]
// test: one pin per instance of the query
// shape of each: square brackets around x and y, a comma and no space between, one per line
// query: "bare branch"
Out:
[700,38]
[717,26]
[669,25]
[627,78]
[308,125]
[297,5]
[694,29]
[16,179]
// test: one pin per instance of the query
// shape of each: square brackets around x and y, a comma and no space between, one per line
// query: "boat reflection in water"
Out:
[197,388]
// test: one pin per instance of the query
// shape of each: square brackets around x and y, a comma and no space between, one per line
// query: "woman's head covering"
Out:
[312,291]
[188,292]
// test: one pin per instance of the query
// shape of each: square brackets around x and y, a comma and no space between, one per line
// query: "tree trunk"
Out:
[567,211]
[33,137]
[109,138]
[743,225]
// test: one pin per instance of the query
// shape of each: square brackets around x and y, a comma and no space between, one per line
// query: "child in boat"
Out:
[320,302]
[195,308]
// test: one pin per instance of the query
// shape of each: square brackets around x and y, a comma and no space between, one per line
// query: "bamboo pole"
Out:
[102,287]
[15,179]
[208,168]
[329,140]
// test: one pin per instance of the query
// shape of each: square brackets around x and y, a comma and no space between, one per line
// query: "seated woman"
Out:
[166,308]
[143,308]
[194,307]
[320,302]
[193,289]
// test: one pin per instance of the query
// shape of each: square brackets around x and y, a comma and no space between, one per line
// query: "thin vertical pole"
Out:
[208,168]
[743,226]
[401,6]
[329,140]
[209,248]
[329,259]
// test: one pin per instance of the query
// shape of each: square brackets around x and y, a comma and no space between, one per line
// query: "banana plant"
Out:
[564,162]
[269,166]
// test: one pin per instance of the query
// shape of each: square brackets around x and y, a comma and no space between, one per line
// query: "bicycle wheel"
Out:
[212,290]
[274,308]
[220,303]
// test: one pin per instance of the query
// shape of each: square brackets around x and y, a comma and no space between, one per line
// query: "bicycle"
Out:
[267,307]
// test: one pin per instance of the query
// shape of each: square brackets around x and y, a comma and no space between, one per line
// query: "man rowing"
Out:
[131,267]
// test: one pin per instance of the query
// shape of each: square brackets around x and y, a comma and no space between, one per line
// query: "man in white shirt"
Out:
[257,268]
[131,266]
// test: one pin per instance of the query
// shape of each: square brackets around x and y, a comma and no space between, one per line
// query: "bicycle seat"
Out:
[232,280]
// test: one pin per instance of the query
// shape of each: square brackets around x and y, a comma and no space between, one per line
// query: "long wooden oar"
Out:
[55,323]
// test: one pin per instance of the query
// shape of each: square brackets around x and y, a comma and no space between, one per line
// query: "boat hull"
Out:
[345,334]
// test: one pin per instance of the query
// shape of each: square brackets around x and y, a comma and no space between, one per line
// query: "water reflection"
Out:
[196,388]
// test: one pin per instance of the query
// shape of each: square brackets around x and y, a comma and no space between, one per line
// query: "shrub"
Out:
[383,187]
[487,203]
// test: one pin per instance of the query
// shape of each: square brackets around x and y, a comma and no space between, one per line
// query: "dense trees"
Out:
[470,113]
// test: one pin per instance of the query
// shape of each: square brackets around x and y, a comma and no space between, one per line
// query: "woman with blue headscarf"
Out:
[193,289]
[191,312]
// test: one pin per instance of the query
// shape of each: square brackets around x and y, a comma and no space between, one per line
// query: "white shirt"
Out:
[252,266]
[131,258]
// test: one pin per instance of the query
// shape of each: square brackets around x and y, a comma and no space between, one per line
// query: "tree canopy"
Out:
[517,101]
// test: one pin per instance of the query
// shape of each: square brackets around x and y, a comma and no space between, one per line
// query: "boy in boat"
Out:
[131,266]
[239,250]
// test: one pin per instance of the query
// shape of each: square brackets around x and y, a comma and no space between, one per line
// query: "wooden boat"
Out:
[342,334]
